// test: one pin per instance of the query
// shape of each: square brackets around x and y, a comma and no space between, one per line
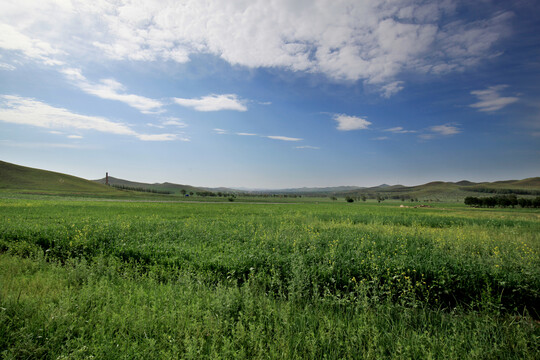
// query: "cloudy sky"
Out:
[272,93]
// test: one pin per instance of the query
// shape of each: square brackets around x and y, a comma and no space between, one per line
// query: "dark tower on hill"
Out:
[106,178]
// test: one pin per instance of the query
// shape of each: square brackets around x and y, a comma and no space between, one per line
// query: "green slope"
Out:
[449,191]
[18,178]
[173,188]
[166,186]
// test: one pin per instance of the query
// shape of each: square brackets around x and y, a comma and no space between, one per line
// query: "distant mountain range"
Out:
[16,178]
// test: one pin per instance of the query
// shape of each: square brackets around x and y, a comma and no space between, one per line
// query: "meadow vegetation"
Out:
[95,279]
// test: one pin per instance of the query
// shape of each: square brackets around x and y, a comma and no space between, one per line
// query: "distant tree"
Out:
[349,199]
[334,198]
[183,191]
[523,202]
[502,201]
[364,198]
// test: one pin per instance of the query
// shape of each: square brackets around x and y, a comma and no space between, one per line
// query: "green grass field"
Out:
[109,280]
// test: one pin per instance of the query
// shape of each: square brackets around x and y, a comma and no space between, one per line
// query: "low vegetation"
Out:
[89,279]
[502,201]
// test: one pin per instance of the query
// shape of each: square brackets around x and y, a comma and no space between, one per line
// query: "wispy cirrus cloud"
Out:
[491,100]
[308,147]
[26,111]
[162,137]
[283,138]
[399,130]
[445,130]
[273,137]
[348,123]
[111,89]
[440,130]
[213,103]
[172,121]
[169,122]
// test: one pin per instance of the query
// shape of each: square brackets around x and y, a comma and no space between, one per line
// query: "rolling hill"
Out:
[20,178]
[166,186]
[440,190]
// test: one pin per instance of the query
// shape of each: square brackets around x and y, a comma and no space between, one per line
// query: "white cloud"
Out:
[221,131]
[371,40]
[283,138]
[170,121]
[75,137]
[174,122]
[445,130]
[7,67]
[491,100]
[213,103]
[245,134]
[160,137]
[308,147]
[347,123]
[440,130]
[26,111]
[12,39]
[73,74]
[111,89]
[392,88]
[399,130]
[381,138]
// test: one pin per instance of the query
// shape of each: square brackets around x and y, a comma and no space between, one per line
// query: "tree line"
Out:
[502,191]
[502,201]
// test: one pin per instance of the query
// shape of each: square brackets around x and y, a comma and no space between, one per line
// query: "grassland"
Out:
[96,279]
[16,178]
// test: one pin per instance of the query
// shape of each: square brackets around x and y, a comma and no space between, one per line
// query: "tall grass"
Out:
[141,280]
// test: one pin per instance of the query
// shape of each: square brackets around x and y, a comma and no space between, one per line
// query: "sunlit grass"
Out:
[268,281]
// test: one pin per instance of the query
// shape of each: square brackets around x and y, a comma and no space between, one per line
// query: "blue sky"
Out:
[272,94]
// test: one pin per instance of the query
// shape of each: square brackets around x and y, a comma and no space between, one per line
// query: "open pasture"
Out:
[83,279]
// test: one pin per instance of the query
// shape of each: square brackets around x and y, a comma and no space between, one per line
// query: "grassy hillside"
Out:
[15,178]
[20,178]
[166,186]
[449,191]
